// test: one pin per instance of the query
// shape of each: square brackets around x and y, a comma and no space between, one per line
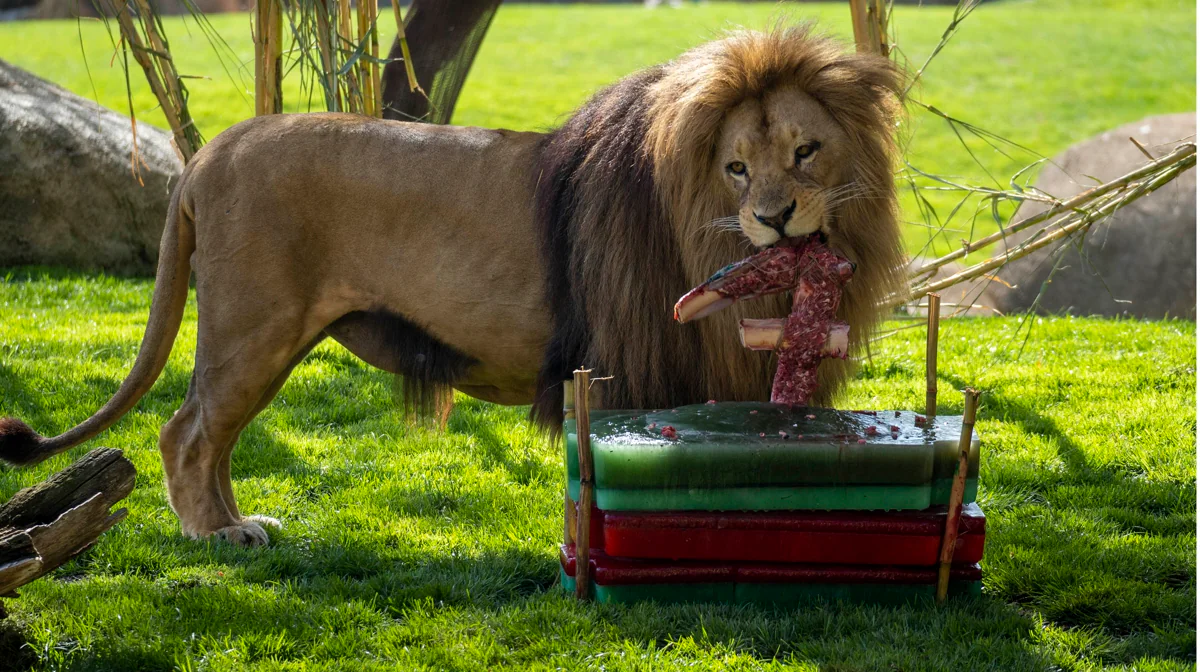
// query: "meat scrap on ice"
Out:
[815,275]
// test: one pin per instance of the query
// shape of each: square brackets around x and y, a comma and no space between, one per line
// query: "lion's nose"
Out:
[778,220]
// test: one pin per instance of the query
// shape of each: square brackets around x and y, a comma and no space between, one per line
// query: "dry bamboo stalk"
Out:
[861,23]
[877,26]
[268,55]
[583,518]
[1071,204]
[141,54]
[931,351]
[376,84]
[413,85]
[326,42]
[950,536]
[345,36]
[1065,227]
[365,26]
[568,504]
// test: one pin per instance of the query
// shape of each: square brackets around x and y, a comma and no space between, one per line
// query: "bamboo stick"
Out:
[268,54]
[950,536]
[931,352]
[877,26]
[583,519]
[1065,227]
[344,35]
[1070,205]
[326,42]
[365,26]
[142,55]
[568,504]
[413,85]
[862,30]
[376,84]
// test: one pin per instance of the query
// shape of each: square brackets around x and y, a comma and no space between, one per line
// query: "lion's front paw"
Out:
[249,532]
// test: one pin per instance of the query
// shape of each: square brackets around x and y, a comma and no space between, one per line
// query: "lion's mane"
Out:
[624,192]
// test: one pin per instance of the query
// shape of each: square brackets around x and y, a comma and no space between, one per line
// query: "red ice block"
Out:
[610,571]
[839,537]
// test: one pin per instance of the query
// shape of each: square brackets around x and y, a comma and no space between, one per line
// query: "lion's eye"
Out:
[736,168]
[806,150]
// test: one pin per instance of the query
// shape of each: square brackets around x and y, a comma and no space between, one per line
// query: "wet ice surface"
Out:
[757,423]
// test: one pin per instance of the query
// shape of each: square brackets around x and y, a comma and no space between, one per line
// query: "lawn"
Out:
[415,547]
[1044,74]
[410,548]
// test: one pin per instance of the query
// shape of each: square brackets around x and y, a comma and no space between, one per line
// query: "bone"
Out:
[700,302]
[761,334]
[767,334]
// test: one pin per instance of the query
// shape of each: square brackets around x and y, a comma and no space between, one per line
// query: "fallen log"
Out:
[44,526]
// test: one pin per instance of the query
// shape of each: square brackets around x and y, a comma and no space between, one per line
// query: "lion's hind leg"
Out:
[236,376]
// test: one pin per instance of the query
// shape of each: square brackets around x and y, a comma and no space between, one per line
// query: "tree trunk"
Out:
[443,37]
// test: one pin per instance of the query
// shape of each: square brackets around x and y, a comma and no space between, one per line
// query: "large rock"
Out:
[68,196]
[1141,262]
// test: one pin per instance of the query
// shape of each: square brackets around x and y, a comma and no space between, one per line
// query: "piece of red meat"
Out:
[815,275]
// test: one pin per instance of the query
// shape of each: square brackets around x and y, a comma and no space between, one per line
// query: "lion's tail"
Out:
[20,444]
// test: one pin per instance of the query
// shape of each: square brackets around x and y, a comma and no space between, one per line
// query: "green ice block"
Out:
[857,498]
[767,594]
[765,456]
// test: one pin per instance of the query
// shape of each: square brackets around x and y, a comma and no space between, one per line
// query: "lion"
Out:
[496,262]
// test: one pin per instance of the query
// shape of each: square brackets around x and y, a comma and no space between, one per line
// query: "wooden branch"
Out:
[583,519]
[950,535]
[44,526]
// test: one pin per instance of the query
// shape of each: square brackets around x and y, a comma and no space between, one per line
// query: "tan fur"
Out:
[293,224]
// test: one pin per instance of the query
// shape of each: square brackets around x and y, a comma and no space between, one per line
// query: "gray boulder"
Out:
[1141,262]
[68,196]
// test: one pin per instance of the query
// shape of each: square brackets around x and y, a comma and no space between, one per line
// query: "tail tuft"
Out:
[19,444]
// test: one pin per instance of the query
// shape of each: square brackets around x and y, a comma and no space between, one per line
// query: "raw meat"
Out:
[815,275]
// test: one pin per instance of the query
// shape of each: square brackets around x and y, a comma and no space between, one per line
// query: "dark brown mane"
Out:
[593,173]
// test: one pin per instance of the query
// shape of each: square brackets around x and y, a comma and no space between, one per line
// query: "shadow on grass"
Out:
[469,419]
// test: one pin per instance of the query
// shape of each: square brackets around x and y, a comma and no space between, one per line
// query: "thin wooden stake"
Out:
[583,519]
[931,350]
[568,504]
[950,536]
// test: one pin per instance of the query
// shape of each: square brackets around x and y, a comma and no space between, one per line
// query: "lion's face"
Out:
[781,157]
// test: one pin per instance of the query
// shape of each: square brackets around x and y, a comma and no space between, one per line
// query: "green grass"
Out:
[409,548]
[1045,73]
[413,547]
